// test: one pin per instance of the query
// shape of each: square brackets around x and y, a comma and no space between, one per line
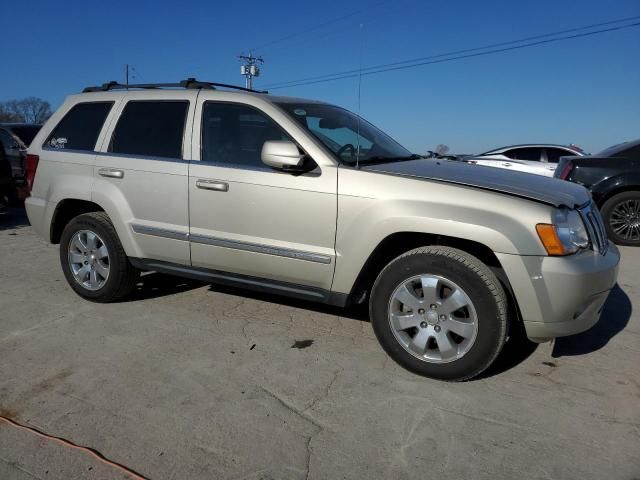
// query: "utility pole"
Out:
[129,71]
[250,68]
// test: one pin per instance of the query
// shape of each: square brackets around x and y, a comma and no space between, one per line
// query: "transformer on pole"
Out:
[250,68]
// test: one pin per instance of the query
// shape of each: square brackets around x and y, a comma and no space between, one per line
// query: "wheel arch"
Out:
[398,243]
[615,191]
[66,210]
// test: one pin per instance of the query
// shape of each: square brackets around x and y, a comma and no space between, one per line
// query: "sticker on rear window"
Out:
[58,142]
[300,111]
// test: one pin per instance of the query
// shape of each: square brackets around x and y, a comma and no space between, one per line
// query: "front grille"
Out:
[595,228]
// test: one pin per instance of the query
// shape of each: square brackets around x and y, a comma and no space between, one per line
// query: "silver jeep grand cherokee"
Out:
[305,199]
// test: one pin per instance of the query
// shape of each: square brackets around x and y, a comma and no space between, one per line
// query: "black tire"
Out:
[608,210]
[482,288]
[122,276]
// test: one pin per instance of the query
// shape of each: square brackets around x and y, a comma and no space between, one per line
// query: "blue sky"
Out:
[584,91]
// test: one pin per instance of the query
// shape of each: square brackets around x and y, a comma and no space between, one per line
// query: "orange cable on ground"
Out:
[68,443]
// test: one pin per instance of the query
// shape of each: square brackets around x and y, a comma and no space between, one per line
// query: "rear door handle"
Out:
[111,172]
[507,164]
[216,185]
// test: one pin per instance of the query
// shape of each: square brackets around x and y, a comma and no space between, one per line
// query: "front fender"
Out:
[503,223]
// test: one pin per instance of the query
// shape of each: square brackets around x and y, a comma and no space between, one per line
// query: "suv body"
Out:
[613,178]
[14,140]
[539,159]
[263,192]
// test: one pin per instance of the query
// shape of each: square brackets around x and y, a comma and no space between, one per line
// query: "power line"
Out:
[412,62]
[317,27]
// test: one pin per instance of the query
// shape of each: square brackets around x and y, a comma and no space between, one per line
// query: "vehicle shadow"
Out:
[13,218]
[155,285]
[614,318]
[517,349]
[354,312]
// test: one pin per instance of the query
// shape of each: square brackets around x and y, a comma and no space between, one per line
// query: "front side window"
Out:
[530,154]
[150,128]
[351,138]
[80,127]
[233,135]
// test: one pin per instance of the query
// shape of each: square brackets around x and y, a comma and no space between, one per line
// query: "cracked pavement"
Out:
[168,384]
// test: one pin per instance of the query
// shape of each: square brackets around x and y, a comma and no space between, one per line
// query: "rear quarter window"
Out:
[80,127]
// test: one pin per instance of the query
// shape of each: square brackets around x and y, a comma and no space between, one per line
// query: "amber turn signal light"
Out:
[549,239]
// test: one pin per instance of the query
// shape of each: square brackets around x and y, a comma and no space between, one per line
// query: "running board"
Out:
[244,281]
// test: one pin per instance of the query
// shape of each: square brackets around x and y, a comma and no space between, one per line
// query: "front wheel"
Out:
[93,260]
[621,215]
[439,312]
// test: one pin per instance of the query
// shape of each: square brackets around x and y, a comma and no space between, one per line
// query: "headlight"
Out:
[566,235]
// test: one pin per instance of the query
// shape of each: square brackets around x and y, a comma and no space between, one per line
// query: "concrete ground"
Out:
[190,381]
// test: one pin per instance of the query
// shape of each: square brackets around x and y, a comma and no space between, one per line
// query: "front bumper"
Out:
[560,296]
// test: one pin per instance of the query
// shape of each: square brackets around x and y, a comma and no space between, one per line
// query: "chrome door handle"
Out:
[111,172]
[212,185]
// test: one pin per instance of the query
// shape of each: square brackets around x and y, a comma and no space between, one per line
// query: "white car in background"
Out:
[539,159]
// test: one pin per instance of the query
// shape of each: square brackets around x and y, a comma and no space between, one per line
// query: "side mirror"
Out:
[282,155]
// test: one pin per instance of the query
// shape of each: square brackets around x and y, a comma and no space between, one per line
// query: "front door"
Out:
[249,219]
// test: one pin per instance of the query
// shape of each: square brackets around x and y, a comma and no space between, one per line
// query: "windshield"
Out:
[339,130]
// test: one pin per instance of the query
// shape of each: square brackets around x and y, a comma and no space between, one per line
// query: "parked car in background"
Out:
[613,177]
[15,138]
[540,159]
[274,194]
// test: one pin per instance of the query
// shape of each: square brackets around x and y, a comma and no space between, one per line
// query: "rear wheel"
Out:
[621,215]
[439,312]
[93,260]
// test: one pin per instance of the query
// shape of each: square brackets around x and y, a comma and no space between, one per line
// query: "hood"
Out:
[535,187]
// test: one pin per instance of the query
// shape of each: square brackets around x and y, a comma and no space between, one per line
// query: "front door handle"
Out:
[216,185]
[507,164]
[111,172]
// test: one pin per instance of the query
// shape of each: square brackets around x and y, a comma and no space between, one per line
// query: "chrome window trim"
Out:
[233,244]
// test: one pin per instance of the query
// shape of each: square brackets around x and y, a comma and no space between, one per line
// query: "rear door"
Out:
[142,171]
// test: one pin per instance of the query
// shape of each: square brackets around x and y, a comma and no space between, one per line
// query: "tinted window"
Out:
[554,154]
[234,134]
[620,149]
[26,133]
[152,129]
[80,127]
[5,140]
[532,154]
[632,153]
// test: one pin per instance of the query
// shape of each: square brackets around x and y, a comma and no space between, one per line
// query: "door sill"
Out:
[257,284]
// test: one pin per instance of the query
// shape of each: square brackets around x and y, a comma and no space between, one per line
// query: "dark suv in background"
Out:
[14,140]
[613,177]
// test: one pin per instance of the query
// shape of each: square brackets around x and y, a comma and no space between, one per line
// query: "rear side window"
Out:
[150,128]
[531,154]
[80,127]
[554,154]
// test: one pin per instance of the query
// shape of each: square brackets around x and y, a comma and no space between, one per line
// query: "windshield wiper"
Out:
[385,159]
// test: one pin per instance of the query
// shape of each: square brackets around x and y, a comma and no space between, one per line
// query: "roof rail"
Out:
[190,83]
